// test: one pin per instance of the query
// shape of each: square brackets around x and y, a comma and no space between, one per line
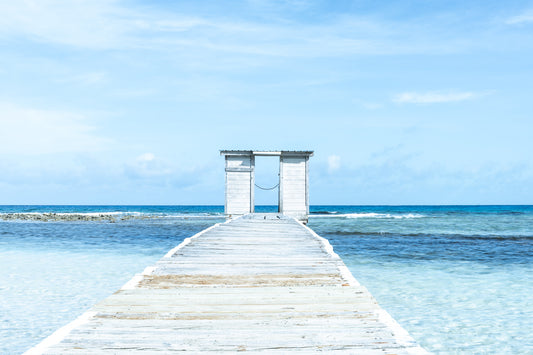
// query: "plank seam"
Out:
[62,332]
[400,334]
[136,280]
[343,269]
[393,329]
[188,240]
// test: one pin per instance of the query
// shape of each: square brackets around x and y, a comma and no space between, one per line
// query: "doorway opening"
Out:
[266,189]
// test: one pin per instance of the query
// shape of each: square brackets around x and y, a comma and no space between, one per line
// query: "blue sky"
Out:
[129,102]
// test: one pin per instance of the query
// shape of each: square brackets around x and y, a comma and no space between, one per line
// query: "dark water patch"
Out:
[409,249]
[426,235]
[515,213]
[137,237]
[474,212]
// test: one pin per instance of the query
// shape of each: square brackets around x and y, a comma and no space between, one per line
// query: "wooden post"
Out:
[240,179]
[294,184]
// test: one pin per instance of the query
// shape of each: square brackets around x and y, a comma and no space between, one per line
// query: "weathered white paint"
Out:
[293,193]
[259,283]
[239,184]
[294,186]
[343,269]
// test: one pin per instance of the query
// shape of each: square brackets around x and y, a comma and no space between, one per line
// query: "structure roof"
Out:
[267,152]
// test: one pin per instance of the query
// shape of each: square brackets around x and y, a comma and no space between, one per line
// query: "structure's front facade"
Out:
[293,182]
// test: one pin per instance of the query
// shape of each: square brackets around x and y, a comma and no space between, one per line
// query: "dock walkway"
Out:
[260,283]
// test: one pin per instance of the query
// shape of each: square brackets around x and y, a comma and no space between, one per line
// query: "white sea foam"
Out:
[369,215]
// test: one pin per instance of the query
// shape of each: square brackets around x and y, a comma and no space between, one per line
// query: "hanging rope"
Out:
[267,188]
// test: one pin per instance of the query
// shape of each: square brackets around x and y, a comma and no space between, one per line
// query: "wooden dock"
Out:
[259,283]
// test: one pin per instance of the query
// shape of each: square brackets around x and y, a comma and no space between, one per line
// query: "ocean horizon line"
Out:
[268,205]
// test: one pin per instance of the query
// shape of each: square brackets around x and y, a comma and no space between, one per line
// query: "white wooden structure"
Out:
[259,283]
[293,193]
[240,183]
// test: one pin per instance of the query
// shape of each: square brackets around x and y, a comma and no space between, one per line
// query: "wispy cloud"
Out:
[520,19]
[151,169]
[86,79]
[77,23]
[103,24]
[334,163]
[434,97]
[368,105]
[27,130]
[396,180]
[147,166]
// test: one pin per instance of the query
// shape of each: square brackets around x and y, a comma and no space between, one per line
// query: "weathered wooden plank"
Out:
[259,283]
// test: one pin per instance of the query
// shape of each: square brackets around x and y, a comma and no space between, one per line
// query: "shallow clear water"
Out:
[458,278]
[54,271]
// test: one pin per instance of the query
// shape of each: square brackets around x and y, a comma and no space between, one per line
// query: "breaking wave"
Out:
[440,234]
[370,215]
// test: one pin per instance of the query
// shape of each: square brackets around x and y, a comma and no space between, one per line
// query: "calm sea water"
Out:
[458,278]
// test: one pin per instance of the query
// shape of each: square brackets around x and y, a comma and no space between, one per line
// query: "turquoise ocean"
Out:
[458,278]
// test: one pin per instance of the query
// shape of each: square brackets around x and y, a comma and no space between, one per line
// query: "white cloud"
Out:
[101,24]
[368,104]
[150,169]
[371,105]
[147,166]
[434,97]
[93,24]
[519,19]
[36,131]
[334,163]
[87,79]
[146,158]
